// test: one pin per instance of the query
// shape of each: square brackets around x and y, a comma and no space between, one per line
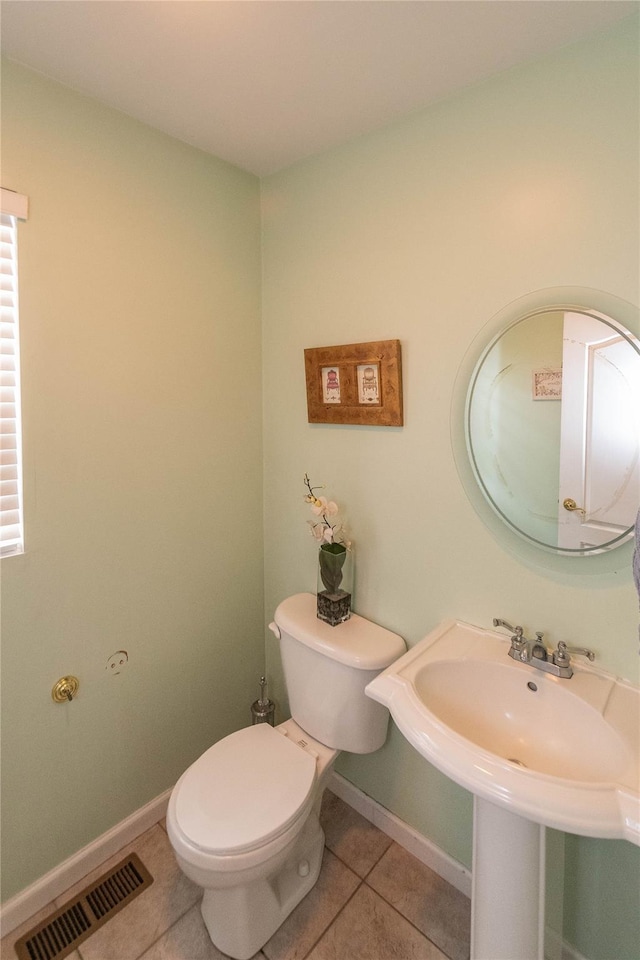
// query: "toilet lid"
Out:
[245,790]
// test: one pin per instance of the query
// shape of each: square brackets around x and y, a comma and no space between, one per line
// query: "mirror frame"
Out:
[606,307]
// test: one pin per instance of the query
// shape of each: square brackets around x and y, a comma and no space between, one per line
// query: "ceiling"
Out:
[264,83]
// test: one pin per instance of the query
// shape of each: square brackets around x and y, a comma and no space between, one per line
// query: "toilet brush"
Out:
[263,710]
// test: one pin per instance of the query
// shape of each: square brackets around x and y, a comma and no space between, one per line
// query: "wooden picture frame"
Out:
[356,383]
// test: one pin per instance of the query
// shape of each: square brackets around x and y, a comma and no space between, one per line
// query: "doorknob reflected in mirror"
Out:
[571,505]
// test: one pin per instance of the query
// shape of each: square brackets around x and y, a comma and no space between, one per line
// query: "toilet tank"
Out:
[326,670]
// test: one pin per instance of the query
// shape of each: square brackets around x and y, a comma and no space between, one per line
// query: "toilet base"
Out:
[242,918]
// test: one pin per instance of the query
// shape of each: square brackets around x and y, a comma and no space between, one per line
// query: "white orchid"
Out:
[323,530]
[321,506]
[321,533]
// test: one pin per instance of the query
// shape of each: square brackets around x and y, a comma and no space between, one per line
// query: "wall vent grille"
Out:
[60,933]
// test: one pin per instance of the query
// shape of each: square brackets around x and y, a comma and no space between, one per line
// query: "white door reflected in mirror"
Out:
[599,435]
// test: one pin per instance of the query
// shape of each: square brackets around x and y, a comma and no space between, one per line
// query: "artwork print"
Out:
[368,376]
[331,384]
[547,384]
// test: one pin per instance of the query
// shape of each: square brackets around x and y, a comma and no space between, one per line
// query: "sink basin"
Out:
[562,753]
[539,726]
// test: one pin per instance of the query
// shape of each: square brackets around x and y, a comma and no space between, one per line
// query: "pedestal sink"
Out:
[535,750]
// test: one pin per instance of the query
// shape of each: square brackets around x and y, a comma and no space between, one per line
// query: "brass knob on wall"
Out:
[65,689]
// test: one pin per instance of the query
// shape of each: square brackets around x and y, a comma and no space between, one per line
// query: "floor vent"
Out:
[60,933]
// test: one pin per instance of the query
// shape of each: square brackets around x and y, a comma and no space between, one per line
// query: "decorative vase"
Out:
[335,583]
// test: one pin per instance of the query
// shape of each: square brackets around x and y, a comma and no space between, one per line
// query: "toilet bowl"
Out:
[244,824]
[243,820]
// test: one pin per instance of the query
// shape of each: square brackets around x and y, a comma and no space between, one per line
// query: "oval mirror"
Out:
[552,426]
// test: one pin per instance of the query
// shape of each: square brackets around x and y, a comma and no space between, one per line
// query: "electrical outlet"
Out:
[117,661]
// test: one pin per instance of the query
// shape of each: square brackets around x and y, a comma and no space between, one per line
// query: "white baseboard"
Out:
[422,849]
[55,883]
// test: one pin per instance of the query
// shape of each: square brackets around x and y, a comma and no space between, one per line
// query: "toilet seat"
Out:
[244,792]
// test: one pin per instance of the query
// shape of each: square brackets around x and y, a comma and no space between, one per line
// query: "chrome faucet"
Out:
[536,654]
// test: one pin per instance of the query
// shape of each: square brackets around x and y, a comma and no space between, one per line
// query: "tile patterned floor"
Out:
[372,901]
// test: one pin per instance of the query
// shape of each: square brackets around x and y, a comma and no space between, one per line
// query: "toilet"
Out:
[243,820]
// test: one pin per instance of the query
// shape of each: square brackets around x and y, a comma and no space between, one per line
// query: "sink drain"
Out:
[517,762]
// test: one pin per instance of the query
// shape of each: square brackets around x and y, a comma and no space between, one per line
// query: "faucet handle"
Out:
[516,631]
[519,643]
[562,658]
[582,652]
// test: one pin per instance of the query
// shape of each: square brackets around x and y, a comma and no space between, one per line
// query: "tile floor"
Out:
[372,901]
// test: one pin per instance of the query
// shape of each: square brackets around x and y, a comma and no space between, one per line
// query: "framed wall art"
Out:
[356,383]
[547,384]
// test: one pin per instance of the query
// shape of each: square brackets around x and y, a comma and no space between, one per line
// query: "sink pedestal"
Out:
[507,900]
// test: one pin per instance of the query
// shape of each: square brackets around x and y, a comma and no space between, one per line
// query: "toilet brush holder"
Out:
[263,710]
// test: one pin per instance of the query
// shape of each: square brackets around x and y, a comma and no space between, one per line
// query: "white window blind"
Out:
[11,522]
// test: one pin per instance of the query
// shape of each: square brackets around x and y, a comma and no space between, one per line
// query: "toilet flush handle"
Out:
[275,629]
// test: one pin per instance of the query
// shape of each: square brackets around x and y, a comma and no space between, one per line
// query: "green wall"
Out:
[140,315]
[424,231]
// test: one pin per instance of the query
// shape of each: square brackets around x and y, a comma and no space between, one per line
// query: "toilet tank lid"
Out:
[356,642]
